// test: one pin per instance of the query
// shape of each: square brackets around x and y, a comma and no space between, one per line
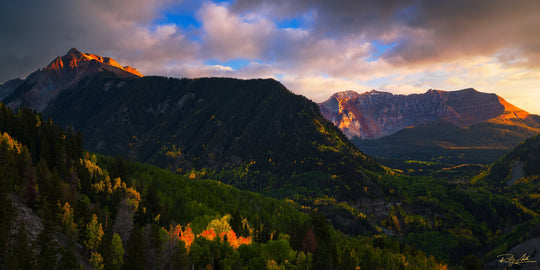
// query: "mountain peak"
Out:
[348,94]
[74,58]
[74,51]
[62,73]
[376,93]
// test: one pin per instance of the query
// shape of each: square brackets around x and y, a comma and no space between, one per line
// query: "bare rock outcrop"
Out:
[376,114]
[26,218]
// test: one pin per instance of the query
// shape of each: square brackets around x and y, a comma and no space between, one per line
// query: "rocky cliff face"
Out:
[376,114]
[40,87]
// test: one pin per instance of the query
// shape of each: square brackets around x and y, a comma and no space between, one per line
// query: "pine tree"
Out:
[135,257]
[47,258]
[21,255]
[68,261]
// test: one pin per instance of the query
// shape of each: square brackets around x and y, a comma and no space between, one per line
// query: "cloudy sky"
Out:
[314,47]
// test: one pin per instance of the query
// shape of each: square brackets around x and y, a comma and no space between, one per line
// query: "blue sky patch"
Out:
[380,49]
[234,63]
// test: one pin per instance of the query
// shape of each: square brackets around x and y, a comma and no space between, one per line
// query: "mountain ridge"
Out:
[376,114]
[211,124]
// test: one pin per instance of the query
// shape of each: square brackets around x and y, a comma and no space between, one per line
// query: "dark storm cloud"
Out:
[423,31]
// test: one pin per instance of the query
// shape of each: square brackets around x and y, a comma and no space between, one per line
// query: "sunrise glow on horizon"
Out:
[315,48]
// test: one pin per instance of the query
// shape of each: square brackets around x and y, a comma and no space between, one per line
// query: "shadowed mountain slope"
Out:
[264,136]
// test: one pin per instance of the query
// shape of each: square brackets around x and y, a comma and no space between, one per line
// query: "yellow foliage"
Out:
[273,265]
[94,231]
[96,260]
[67,218]
[12,144]
[99,186]
[118,184]
[220,225]
[93,168]
[133,197]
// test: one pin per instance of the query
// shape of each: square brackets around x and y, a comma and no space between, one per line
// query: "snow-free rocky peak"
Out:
[75,58]
[376,114]
[64,72]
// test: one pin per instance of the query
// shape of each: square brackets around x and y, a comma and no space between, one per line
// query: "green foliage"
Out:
[68,260]
[471,262]
[21,255]
[516,176]
[253,134]
[80,193]
[448,220]
[481,143]
[179,257]
[117,252]
[440,171]
[47,259]
[135,251]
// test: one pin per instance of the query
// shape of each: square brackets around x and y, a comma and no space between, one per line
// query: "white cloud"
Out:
[228,36]
[320,88]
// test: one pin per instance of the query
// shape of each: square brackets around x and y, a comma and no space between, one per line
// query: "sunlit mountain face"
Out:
[64,72]
[374,114]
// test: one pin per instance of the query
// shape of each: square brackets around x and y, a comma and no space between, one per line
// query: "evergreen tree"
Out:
[135,256]
[47,257]
[179,256]
[21,255]
[68,261]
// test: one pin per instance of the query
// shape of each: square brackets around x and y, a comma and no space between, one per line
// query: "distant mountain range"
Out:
[464,126]
[375,114]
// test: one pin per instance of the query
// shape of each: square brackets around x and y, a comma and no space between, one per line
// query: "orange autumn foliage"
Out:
[233,240]
[186,236]
[208,234]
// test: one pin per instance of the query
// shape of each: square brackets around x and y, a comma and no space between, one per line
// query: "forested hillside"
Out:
[253,134]
[482,143]
[63,207]
[516,175]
